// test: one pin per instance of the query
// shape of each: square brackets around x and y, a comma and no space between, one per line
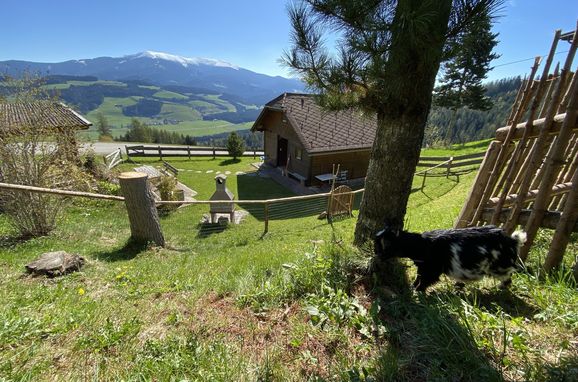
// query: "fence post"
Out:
[266,218]
[140,205]
[423,182]
[254,153]
[189,151]
[160,152]
[449,167]
[214,155]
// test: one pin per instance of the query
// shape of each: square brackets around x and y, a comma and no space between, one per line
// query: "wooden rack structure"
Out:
[529,175]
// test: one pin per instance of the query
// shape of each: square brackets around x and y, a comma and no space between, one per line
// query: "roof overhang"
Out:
[336,150]
[257,126]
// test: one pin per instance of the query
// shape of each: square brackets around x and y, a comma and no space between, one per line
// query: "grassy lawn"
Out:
[230,305]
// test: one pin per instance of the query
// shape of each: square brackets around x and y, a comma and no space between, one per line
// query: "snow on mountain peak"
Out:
[184,61]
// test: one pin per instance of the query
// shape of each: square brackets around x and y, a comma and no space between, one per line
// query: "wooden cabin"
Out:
[49,117]
[306,141]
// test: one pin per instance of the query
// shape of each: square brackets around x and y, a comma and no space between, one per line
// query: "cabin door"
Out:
[282,152]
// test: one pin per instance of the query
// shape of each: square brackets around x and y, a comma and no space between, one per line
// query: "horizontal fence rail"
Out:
[447,163]
[264,210]
[182,151]
[452,162]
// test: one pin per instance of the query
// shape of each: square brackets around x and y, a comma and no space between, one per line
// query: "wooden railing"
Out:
[113,159]
[182,151]
[447,163]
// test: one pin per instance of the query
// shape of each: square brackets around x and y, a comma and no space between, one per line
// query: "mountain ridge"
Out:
[162,68]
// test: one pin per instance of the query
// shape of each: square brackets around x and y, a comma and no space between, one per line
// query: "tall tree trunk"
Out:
[412,65]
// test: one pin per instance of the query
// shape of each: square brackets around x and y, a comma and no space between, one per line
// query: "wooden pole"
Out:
[189,151]
[449,167]
[505,183]
[140,205]
[475,196]
[552,166]
[423,181]
[266,213]
[502,155]
[537,155]
[564,228]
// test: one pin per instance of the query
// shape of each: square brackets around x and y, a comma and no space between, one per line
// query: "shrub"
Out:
[166,187]
[235,145]
[26,158]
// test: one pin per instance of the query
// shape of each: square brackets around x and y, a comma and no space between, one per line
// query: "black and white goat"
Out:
[466,254]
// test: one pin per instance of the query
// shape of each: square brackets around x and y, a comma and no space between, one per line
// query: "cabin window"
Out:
[298,153]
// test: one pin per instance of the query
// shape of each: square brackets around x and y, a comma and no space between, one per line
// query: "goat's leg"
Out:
[425,280]
[460,285]
[505,284]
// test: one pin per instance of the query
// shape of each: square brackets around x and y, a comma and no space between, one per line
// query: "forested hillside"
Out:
[472,125]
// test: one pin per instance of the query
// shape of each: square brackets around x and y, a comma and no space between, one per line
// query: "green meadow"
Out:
[227,303]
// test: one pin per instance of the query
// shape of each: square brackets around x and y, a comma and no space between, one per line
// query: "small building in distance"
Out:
[306,141]
[49,117]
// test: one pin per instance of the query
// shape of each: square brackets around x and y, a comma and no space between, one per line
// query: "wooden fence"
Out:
[450,164]
[182,151]
[265,203]
[113,159]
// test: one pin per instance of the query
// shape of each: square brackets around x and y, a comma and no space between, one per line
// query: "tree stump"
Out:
[54,264]
[142,212]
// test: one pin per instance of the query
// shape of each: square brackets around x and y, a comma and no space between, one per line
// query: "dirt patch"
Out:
[282,335]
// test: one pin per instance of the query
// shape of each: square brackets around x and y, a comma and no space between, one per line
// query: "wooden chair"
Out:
[341,177]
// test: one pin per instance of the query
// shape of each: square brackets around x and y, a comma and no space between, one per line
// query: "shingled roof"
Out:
[47,114]
[320,130]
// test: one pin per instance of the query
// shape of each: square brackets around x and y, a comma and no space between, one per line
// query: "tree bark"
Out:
[141,208]
[412,65]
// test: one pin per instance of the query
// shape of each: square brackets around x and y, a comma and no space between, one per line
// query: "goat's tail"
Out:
[520,237]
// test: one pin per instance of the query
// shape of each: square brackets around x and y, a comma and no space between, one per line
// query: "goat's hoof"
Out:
[504,285]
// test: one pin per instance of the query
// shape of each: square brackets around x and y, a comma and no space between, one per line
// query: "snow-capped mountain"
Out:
[166,69]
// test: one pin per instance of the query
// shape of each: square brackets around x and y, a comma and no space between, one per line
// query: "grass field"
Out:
[192,128]
[230,305]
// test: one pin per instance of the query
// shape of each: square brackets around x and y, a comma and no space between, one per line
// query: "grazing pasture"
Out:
[296,304]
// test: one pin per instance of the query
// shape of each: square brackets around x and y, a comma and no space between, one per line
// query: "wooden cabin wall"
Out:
[276,128]
[355,162]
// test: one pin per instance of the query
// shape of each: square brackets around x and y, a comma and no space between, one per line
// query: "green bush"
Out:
[235,145]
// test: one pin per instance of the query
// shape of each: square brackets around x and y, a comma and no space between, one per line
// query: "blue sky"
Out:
[251,33]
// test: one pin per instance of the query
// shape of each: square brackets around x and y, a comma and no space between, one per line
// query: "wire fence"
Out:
[185,221]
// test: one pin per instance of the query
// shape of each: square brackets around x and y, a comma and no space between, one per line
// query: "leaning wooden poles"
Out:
[529,173]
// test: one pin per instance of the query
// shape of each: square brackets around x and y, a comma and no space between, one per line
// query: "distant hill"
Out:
[473,125]
[164,69]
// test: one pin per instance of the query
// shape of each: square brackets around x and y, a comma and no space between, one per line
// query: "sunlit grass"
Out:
[230,304]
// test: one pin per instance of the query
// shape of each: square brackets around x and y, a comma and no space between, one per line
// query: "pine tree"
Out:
[388,55]
[461,84]
[235,145]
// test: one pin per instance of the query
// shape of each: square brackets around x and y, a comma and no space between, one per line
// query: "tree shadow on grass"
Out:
[426,341]
[127,252]
[497,300]
[565,370]
[228,162]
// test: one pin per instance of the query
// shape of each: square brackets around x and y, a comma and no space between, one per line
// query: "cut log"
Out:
[142,212]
